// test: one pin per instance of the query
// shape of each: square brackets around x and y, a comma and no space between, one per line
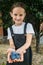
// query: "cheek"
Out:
[14,18]
[23,17]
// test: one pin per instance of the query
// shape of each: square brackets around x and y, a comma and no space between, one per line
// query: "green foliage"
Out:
[34,7]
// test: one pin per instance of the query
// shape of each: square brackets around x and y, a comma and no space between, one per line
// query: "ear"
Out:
[11,14]
[25,14]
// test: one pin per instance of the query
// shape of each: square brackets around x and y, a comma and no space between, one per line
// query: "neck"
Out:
[18,24]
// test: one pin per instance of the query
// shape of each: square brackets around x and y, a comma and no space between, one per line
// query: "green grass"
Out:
[3,63]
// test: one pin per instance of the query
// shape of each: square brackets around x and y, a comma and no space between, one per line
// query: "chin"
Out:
[18,22]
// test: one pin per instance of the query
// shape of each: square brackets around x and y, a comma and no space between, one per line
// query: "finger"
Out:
[9,59]
[21,58]
[13,60]
[16,60]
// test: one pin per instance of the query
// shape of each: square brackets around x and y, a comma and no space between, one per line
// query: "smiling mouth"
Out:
[17,20]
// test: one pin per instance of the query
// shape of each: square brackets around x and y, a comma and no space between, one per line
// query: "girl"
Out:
[20,36]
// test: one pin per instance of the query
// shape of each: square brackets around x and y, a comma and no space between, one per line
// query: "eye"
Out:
[21,14]
[15,14]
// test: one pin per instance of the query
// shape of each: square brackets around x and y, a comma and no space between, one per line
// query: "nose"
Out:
[18,17]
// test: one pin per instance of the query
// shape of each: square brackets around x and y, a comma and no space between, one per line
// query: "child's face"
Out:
[18,15]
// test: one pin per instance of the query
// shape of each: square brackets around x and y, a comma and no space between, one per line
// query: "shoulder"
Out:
[10,27]
[29,28]
[29,25]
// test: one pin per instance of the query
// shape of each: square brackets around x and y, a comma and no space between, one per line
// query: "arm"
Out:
[11,43]
[9,37]
[11,46]
[29,34]
[28,41]
[23,48]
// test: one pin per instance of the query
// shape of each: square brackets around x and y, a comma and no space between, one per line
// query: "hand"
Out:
[10,50]
[21,50]
[20,59]
[9,59]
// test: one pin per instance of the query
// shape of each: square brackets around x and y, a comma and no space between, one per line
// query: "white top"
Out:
[20,29]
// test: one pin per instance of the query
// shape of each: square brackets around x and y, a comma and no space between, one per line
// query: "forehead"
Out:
[18,10]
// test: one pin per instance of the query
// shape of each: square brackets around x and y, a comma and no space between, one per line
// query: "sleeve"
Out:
[9,34]
[30,29]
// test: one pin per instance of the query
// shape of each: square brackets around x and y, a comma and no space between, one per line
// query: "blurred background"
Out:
[34,16]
